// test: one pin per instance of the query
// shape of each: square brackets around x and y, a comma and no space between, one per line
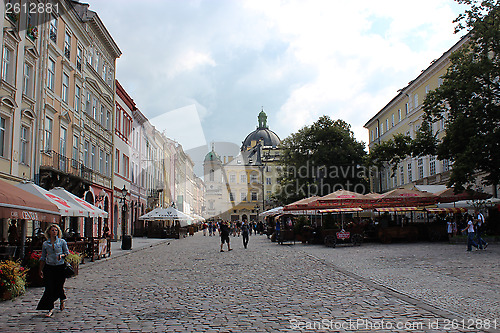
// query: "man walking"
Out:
[224,236]
[479,230]
[470,234]
[245,229]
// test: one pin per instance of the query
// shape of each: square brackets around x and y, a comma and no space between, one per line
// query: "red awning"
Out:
[16,203]
[447,210]
[397,209]
[341,210]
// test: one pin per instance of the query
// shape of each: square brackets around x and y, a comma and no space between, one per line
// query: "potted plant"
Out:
[33,265]
[74,259]
[12,279]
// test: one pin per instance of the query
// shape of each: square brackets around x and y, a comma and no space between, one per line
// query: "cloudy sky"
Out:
[221,61]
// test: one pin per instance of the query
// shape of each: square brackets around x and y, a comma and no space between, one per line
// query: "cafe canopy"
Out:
[90,209]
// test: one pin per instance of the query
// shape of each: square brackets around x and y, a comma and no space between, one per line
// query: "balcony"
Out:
[58,162]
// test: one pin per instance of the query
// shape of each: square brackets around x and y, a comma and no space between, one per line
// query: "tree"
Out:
[469,100]
[320,159]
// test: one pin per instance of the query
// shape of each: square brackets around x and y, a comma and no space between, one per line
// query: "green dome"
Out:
[212,156]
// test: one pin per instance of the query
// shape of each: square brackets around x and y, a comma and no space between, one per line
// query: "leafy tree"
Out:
[320,159]
[469,100]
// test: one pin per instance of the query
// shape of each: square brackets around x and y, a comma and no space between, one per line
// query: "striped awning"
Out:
[341,210]
[397,209]
[447,210]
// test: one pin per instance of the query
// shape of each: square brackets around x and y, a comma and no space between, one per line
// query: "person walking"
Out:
[479,230]
[470,234]
[54,250]
[245,230]
[224,236]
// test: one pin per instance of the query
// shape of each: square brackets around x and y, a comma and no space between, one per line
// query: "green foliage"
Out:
[300,223]
[469,99]
[319,159]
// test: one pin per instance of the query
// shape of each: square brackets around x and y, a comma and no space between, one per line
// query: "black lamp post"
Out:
[126,239]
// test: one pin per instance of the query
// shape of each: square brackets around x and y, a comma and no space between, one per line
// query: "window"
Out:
[24,145]
[53,29]
[243,196]
[106,164]
[86,148]
[268,181]
[407,108]
[125,166]
[118,119]
[402,174]
[67,45]
[101,161]
[108,120]
[255,196]
[387,124]
[392,120]
[446,165]
[243,178]
[92,158]
[48,134]
[427,88]
[94,108]
[28,80]
[77,99]
[65,88]
[420,165]
[376,132]
[88,104]
[117,161]
[410,175]
[96,61]
[415,98]
[75,148]
[6,65]
[104,69]
[62,143]
[253,178]
[232,178]
[399,115]
[3,128]
[432,166]
[79,57]
[102,119]
[231,196]
[51,74]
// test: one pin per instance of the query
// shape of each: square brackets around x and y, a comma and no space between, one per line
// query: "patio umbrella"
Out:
[401,197]
[302,204]
[449,195]
[169,213]
[343,198]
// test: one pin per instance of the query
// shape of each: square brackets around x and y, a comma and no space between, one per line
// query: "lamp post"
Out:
[126,239]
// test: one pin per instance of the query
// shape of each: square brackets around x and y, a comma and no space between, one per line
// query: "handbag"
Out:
[68,271]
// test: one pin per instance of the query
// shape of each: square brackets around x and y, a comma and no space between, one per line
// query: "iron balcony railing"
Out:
[56,161]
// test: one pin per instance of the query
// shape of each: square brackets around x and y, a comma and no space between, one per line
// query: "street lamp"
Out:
[124,192]
[126,239]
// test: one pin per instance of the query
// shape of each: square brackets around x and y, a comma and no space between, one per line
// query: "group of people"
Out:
[235,228]
[224,230]
[474,229]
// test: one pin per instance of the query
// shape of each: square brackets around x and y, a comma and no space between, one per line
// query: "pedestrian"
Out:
[245,229]
[470,233]
[479,230]
[204,229]
[224,236]
[54,250]
[449,225]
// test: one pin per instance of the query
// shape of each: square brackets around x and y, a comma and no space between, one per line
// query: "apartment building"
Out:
[404,115]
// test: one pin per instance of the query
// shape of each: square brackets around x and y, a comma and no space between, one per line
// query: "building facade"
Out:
[239,188]
[404,115]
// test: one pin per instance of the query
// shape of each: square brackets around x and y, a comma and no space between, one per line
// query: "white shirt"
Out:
[470,226]
[480,218]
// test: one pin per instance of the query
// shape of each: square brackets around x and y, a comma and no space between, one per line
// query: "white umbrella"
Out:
[65,208]
[169,213]
[92,210]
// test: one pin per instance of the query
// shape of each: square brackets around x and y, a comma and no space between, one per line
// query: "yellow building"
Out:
[240,187]
[404,114]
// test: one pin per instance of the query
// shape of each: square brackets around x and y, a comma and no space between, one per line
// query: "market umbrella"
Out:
[343,198]
[402,197]
[66,208]
[169,213]
[302,204]
[92,210]
[449,195]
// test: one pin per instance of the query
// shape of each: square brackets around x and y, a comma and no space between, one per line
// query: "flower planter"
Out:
[75,268]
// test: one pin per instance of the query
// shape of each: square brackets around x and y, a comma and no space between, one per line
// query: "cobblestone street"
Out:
[187,285]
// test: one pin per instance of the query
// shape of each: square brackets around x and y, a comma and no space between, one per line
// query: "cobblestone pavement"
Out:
[187,285]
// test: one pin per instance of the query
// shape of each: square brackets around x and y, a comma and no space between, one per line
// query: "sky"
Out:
[210,66]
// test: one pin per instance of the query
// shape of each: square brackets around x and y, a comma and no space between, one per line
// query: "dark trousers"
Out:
[53,278]
[245,239]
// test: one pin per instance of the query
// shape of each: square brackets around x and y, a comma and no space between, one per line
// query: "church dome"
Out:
[212,156]
[262,133]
